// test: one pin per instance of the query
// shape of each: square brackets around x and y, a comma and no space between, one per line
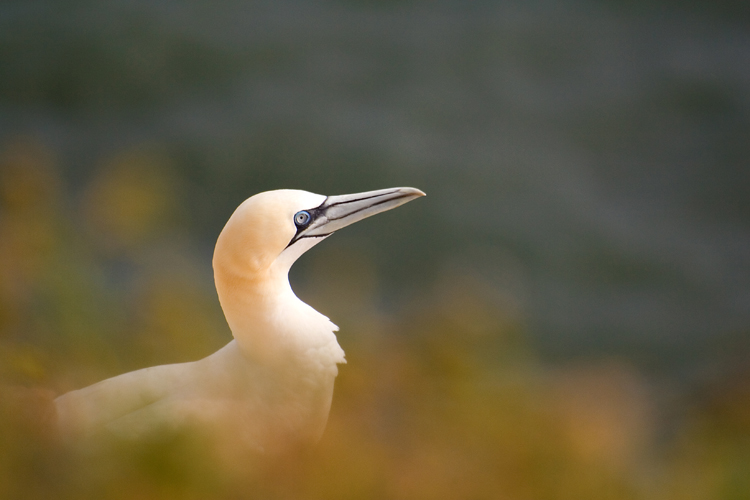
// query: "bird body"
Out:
[271,387]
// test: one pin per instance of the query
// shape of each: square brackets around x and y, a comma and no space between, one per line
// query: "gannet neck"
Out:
[269,322]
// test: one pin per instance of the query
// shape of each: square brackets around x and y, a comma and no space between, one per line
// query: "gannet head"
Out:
[258,245]
[269,231]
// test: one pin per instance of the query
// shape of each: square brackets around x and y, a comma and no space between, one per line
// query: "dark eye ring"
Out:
[302,218]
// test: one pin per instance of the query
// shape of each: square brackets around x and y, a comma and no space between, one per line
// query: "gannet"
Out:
[271,386]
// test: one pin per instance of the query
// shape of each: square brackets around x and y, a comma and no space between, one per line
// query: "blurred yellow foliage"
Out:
[131,199]
[174,316]
[29,199]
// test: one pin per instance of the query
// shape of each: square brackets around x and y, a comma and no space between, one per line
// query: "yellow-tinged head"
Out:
[270,230]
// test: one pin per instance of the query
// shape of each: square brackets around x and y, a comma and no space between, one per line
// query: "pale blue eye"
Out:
[302,218]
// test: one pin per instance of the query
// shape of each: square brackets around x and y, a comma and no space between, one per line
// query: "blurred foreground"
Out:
[442,398]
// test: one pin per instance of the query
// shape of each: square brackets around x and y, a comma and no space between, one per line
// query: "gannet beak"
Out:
[337,212]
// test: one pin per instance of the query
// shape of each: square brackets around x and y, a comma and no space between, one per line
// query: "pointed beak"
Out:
[337,212]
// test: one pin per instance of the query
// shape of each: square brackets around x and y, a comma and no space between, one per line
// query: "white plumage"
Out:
[270,387]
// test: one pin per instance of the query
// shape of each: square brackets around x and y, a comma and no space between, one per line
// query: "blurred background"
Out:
[565,316]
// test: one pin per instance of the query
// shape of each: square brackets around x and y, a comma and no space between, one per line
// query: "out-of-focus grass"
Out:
[443,398]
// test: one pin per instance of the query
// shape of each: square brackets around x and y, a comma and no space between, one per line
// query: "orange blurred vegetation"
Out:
[442,399]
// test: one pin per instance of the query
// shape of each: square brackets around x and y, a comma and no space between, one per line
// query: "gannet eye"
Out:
[302,218]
